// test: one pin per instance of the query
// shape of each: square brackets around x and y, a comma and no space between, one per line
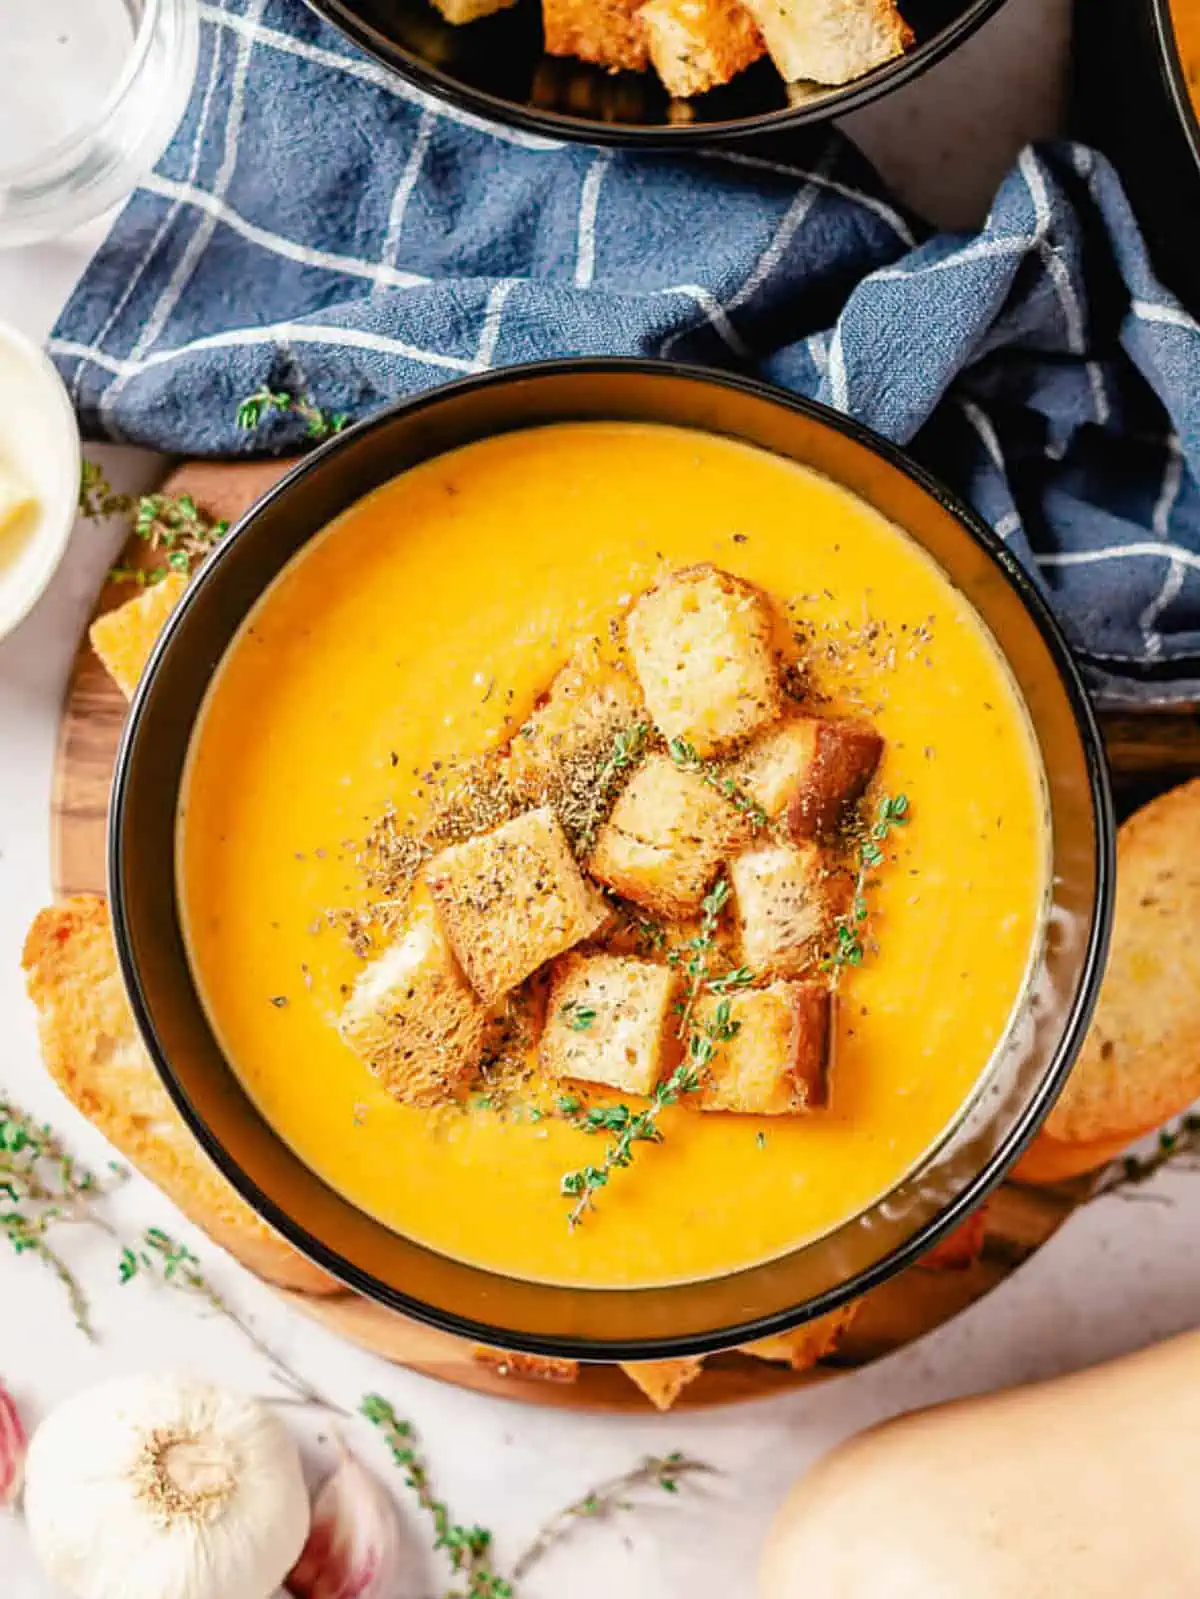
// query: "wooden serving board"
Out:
[1148,752]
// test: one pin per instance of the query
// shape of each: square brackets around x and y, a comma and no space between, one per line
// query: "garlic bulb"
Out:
[165,1488]
[354,1548]
[12,1449]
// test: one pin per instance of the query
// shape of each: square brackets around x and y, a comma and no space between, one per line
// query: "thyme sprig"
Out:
[688,759]
[171,525]
[264,402]
[628,747]
[849,941]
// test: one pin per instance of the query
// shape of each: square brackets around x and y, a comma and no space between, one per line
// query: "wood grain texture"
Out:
[1148,752]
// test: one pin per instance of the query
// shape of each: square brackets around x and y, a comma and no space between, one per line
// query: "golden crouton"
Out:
[608,32]
[804,1346]
[701,647]
[608,1021]
[93,1051]
[589,701]
[811,769]
[667,836]
[777,1060]
[461,11]
[830,41]
[662,1381]
[784,907]
[414,1018]
[512,899]
[697,44]
[124,638]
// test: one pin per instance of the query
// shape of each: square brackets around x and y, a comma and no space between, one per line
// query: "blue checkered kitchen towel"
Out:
[321,227]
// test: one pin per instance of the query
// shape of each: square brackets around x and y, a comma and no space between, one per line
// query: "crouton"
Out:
[665,839]
[589,701]
[777,1061]
[662,1381]
[785,906]
[608,32]
[124,638]
[461,11]
[608,1021]
[695,45]
[830,41]
[809,769]
[804,1346]
[701,647]
[413,1017]
[93,1050]
[512,899]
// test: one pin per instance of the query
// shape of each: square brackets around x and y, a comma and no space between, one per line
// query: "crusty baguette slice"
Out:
[93,1051]
[830,41]
[124,638]
[805,1346]
[608,1020]
[413,1017]
[512,899]
[785,907]
[665,839]
[662,1381]
[696,45]
[701,643]
[777,1061]
[606,32]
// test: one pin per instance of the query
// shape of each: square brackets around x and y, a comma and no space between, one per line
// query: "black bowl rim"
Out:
[1171,65]
[558,124]
[989,1176]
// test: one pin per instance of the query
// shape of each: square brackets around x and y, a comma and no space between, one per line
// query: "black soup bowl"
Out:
[1015,1090]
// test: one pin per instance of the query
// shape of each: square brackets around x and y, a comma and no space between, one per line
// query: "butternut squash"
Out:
[1083,1487]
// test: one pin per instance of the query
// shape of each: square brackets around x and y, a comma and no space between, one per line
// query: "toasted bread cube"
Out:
[124,638]
[414,1018]
[695,45]
[777,1061]
[460,11]
[609,1020]
[512,899]
[589,704]
[665,839]
[830,41]
[810,769]
[608,32]
[701,647]
[784,907]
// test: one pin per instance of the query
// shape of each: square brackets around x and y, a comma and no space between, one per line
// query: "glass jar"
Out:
[90,93]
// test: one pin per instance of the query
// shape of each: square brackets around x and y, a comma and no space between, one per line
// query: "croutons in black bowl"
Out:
[1016,1087]
[498,66]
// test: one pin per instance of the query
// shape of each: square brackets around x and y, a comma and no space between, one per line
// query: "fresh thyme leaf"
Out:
[173,526]
[686,758]
[628,747]
[264,402]
[849,944]
[739,977]
[578,1017]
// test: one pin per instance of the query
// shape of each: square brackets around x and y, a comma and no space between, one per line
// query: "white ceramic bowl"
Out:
[39,439]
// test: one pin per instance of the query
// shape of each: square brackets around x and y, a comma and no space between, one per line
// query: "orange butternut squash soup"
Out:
[1186,16]
[611,855]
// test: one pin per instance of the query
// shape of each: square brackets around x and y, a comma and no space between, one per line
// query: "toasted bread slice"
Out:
[93,1051]
[785,906]
[414,1018]
[805,1346]
[542,1367]
[666,838]
[1140,1063]
[960,1248]
[607,32]
[1048,1161]
[124,638]
[701,643]
[511,900]
[608,1021]
[830,41]
[809,769]
[696,45]
[777,1061]
[662,1381]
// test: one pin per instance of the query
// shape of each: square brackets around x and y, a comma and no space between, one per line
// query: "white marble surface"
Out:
[1119,1274]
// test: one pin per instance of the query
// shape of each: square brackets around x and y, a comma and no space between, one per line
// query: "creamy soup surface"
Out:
[420,627]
